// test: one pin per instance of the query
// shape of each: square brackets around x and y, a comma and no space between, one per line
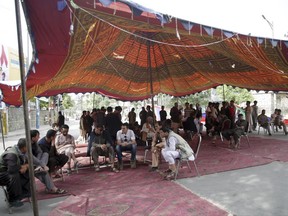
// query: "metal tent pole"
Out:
[25,109]
[2,131]
[151,78]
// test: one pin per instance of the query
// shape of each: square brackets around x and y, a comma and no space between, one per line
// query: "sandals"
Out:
[58,191]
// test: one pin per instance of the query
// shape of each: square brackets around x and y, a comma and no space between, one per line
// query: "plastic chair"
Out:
[259,127]
[179,160]
[245,134]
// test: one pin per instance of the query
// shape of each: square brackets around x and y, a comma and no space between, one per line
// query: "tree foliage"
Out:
[67,102]
[239,95]
[202,98]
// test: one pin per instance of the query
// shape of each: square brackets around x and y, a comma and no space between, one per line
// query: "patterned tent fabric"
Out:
[116,53]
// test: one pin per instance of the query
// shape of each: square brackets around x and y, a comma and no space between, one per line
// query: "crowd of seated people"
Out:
[108,137]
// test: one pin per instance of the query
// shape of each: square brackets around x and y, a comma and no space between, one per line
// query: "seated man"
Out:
[40,159]
[264,122]
[102,146]
[233,135]
[47,145]
[65,144]
[14,173]
[126,142]
[279,121]
[175,147]
[157,144]
[147,130]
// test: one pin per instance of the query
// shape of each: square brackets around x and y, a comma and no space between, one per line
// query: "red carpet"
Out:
[130,192]
[139,192]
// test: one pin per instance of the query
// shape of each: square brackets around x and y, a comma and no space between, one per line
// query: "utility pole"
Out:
[274,100]
[270,24]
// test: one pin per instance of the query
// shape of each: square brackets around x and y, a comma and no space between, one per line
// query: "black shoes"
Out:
[16,203]
[152,169]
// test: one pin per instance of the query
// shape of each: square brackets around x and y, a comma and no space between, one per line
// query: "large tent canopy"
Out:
[125,51]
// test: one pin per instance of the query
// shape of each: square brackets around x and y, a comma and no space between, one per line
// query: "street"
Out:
[13,137]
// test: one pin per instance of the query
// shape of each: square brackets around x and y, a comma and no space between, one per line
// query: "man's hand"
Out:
[125,143]
[104,147]
[46,168]
[23,168]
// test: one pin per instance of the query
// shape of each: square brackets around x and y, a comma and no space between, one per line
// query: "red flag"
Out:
[3,58]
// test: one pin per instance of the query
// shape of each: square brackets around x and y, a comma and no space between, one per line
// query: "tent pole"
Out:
[223,92]
[2,131]
[25,109]
[151,78]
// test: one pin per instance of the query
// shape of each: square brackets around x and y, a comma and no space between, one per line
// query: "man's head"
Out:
[240,116]
[51,134]
[65,130]
[248,103]
[164,132]
[60,113]
[35,135]
[98,129]
[133,109]
[148,108]
[158,125]
[187,105]
[255,102]
[231,102]
[22,145]
[263,112]
[124,127]
[109,109]
[55,126]
[162,107]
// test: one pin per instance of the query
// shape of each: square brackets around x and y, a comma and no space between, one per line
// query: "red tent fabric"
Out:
[118,50]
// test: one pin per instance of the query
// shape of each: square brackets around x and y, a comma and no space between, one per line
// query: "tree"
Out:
[239,95]
[67,101]
[202,98]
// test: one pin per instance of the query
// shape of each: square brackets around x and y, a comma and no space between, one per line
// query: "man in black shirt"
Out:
[163,114]
[47,145]
[14,173]
[61,119]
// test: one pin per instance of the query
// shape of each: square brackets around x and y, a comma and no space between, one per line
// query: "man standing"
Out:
[132,116]
[61,119]
[126,142]
[232,113]
[14,173]
[175,117]
[112,123]
[163,114]
[248,115]
[254,115]
[143,116]
[175,147]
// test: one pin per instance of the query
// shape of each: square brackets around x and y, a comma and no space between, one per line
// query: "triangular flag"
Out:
[3,58]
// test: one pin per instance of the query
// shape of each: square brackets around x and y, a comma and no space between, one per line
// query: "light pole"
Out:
[274,95]
[270,24]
